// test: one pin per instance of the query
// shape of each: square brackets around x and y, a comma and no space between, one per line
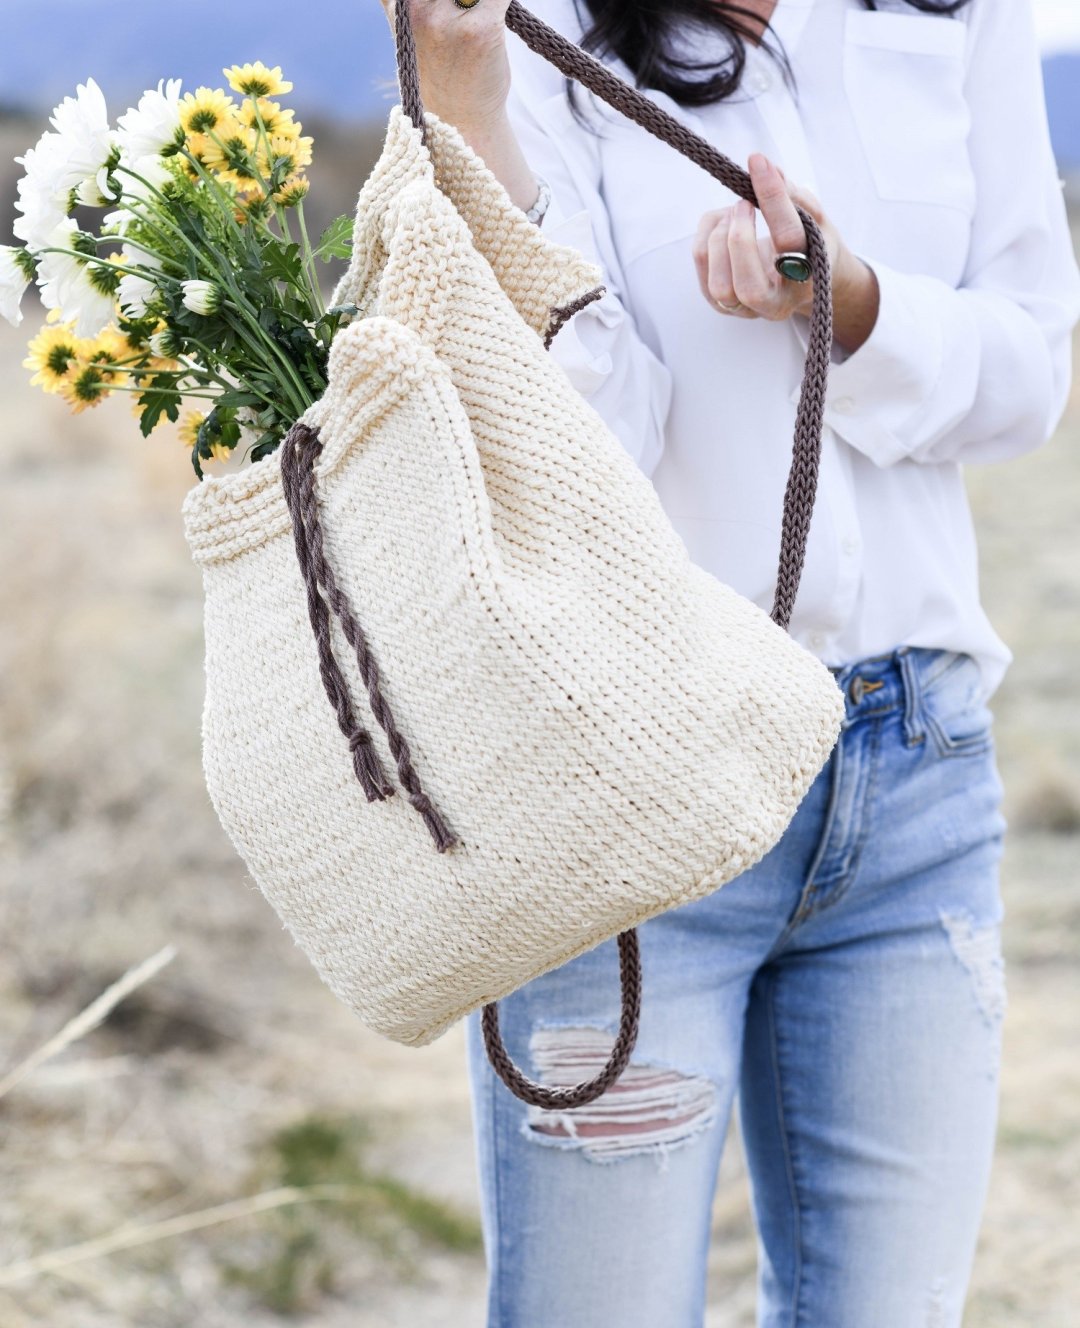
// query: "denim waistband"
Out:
[893,681]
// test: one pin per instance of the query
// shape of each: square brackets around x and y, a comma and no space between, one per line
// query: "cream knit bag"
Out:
[583,727]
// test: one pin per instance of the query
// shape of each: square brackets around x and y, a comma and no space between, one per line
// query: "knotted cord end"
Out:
[368,768]
[443,836]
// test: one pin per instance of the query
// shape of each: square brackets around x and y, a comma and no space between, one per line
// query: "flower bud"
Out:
[201,297]
[166,344]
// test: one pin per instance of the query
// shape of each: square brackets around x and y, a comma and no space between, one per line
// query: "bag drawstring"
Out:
[299,450]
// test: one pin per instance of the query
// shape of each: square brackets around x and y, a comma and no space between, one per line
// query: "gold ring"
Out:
[729,308]
[466,4]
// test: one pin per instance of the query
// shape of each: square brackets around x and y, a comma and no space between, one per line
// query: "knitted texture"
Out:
[608,730]
[541,279]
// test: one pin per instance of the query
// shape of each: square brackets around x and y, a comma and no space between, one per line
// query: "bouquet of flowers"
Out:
[194,286]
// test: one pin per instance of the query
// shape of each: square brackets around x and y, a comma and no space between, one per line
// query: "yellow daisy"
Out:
[110,346]
[205,109]
[197,145]
[189,435]
[190,426]
[52,353]
[275,118]
[255,80]
[256,208]
[292,191]
[297,153]
[88,386]
[229,153]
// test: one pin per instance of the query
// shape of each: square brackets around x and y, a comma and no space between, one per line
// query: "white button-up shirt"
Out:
[926,140]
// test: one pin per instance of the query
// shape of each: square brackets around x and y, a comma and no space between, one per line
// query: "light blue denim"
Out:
[847,990]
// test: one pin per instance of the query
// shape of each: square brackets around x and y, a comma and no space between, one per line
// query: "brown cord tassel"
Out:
[299,450]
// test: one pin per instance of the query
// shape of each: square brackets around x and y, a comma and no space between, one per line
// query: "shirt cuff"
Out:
[876,393]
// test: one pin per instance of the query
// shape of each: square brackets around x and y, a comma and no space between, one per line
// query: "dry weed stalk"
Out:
[129,1237]
[87,1020]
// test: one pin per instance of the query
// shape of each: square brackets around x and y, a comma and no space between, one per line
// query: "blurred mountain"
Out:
[338,53]
[1061,73]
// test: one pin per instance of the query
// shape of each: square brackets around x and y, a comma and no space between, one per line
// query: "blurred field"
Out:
[234,1072]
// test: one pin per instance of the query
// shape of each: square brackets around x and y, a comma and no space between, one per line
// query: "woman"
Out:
[849,985]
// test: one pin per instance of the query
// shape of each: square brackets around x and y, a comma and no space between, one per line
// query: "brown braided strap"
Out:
[299,450]
[541,1095]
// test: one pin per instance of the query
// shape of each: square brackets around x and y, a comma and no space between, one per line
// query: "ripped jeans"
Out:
[849,985]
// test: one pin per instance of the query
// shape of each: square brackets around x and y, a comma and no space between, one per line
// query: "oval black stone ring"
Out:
[466,4]
[794,266]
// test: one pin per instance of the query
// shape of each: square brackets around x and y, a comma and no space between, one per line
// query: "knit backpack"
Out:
[470,708]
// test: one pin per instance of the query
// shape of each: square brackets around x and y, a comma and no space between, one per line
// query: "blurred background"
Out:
[151,1173]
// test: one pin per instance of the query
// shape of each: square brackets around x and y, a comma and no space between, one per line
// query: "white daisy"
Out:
[90,145]
[154,125]
[16,273]
[83,291]
[44,196]
[137,292]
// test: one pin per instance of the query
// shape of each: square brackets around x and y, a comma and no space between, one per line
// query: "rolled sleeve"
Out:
[979,372]
[603,356]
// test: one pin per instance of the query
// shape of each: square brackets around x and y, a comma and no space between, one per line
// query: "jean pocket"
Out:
[955,712]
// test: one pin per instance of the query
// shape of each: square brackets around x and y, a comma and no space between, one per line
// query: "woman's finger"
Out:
[700,246]
[750,281]
[718,282]
[805,199]
[777,206]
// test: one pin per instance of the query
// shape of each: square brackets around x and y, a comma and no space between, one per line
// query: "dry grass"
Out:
[110,851]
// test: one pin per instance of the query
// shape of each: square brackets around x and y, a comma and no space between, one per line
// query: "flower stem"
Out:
[223,272]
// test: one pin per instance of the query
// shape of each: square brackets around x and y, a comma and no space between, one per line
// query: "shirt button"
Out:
[817,640]
[760,81]
[844,405]
[850,545]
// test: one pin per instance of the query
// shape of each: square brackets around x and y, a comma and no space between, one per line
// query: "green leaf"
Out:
[269,442]
[238,397]
[230,433]
[336,240]
[156,403]
[283,261]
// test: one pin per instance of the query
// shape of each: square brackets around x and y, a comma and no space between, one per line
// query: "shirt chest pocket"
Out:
[904,80]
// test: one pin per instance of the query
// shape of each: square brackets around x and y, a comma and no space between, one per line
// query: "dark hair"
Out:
[640,32]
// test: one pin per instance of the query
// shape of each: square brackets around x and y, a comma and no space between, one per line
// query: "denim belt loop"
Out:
[909,672]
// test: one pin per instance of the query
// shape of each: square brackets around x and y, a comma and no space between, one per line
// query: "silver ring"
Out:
[793,265]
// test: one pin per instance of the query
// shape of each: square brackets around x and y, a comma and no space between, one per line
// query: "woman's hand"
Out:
[464,80]
[735,266]
[461,58]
